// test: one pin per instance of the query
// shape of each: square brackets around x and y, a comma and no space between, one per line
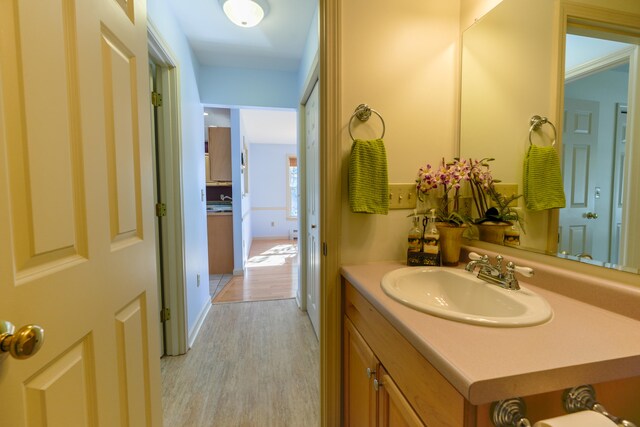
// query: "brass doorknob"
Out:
[22,344]
[590,215]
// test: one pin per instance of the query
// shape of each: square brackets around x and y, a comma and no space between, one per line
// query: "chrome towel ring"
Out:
[363,113]
[536,123]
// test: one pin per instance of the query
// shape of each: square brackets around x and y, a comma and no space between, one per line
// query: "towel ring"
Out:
[363,113]
[536,123]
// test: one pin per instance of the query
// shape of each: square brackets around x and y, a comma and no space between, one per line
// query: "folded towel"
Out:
[543,187]
[368,181]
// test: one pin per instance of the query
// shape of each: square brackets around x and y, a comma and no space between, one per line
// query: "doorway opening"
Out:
[596,93]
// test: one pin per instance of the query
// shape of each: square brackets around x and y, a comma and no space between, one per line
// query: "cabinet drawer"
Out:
[432,397]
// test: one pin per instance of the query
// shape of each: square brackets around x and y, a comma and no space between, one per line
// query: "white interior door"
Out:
[580,143]
[312,117]
[77,253]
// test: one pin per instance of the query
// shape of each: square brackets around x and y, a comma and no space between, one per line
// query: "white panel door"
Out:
[579,143]
[618,181]
[313,204]
[77,253]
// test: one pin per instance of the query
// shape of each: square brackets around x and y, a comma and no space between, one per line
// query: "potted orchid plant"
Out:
[494,209]
[445,184]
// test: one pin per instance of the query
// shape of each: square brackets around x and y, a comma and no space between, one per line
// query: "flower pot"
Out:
[450,242]
[492,232]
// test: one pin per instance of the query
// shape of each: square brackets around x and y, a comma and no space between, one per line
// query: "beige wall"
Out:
[472,10]
[401,58]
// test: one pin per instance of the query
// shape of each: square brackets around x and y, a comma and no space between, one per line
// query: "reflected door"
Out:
[313,203]
[580,143]
[77,252]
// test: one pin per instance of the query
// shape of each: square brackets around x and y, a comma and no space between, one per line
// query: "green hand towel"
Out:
[368,181]
[543,187]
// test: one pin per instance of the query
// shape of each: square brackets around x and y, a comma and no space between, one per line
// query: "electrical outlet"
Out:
[402,196]
[507,190]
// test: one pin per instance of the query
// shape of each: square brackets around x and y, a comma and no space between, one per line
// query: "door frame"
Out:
[310,82]
[169,141]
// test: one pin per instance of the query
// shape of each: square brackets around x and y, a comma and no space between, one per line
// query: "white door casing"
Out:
[77,253]
[312,163]
[618,181]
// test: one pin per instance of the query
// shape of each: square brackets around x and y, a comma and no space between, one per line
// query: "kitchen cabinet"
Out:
[219,156]
[220,237]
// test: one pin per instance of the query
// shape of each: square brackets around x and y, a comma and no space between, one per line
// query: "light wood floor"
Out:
[271,273]
[253,364]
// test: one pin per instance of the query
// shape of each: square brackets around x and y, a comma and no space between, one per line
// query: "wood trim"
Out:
[176,334]
[390,393]
[600,64]
[431,396]
[330,213]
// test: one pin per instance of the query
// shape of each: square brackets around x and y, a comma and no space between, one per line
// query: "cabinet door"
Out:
[360,364]
[220,153]
[394,410]
[220,236]
[207,168]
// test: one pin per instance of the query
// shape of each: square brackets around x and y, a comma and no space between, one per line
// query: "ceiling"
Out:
[277,43]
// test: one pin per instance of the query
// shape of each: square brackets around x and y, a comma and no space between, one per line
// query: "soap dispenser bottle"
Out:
[431,241]
[415,236]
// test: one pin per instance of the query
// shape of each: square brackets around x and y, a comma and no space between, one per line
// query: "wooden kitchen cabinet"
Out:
[219,155]
[220,237]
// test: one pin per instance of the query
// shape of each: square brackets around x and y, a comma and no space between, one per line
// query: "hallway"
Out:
[254,363]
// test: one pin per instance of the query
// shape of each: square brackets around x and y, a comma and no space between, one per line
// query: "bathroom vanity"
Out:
[402,367]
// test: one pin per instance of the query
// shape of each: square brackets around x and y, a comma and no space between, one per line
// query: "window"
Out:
[292,187]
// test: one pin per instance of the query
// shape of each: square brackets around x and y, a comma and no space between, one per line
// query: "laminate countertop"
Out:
[581,344]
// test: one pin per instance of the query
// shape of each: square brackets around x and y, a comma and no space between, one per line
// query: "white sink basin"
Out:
[459,295]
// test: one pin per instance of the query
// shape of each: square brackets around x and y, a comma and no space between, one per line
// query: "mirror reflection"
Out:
[510,63]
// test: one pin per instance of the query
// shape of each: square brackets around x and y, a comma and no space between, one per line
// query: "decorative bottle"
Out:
[415,236]
[431,241]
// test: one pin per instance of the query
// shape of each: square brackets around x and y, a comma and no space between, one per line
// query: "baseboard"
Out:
[193,333]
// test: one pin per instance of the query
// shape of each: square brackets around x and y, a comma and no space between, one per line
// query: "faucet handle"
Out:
[477,257]
[525,271]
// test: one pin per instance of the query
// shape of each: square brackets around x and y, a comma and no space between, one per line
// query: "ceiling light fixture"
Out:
[245,13]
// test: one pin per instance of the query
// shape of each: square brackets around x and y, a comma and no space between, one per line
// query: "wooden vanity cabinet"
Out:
[410,391]
[372,399]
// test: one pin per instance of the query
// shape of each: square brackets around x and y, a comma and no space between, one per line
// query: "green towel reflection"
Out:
[368,180]
[543,187]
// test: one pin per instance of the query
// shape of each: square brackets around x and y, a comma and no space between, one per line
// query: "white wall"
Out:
[310,52]
[193,182]
[240,87]
[401,58]
[267,186]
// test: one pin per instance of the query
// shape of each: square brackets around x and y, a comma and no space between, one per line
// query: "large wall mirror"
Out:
[575,63]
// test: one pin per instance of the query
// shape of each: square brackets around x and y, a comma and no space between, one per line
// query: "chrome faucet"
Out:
[223,198]
[493,273]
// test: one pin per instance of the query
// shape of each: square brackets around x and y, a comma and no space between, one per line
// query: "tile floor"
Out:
[217,282]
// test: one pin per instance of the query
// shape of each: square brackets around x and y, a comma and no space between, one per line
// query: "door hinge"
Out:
[165,314]
[156,99]
[324,248]
[161,209]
